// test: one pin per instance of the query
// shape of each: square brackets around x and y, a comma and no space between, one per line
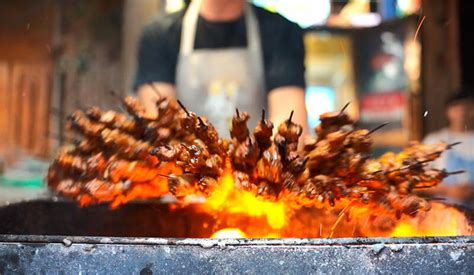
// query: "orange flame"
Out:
[228,199]
[273,218]
[442,220]
[261,217]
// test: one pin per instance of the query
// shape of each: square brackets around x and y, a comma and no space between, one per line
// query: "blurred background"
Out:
[394,60]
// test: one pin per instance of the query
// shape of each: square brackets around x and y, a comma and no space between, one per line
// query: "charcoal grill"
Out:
[45,236]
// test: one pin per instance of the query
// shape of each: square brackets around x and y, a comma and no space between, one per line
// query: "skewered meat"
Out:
[120,158]
[114,120]
[290,131]
[239,129]
[263,133]
[246,155]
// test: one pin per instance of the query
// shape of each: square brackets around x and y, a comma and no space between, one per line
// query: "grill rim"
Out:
[49,239]
[37,254]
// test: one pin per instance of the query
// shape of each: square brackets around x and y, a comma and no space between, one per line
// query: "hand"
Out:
[148,94]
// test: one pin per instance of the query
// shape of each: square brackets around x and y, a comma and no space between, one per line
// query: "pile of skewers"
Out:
[124,157]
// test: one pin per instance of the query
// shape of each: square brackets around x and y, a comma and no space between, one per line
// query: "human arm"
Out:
[285,74]
[157,58]
[283,100]
[149,93]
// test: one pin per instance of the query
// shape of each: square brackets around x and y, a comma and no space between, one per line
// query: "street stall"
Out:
[186,167]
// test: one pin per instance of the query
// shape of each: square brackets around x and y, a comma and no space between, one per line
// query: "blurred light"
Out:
[174,5]
[305,13]
[366,19]
[318,100]
[388,9]
[266,4]
[406,7]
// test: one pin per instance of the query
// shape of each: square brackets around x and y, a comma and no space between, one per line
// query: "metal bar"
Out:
[75,255]
[48,239]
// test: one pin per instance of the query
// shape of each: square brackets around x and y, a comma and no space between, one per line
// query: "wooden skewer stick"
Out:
[453,144]
[455,172]
[404,167]
[377,128]
[432,198]
[185,146]
[306,159]
[423,161]
[291,116]
[344,108]
[237,112]
[263,115]
[182,107]
[201,122]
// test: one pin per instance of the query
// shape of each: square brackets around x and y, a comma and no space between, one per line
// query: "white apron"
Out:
[213,82]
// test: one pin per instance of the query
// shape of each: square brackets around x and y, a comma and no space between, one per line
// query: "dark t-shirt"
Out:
[282,47]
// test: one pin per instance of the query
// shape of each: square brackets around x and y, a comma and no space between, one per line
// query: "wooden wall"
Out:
[55,56]
[25,76]
[441,64]
[89,64]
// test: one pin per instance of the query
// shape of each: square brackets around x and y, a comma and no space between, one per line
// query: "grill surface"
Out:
[44,237]
[137,219]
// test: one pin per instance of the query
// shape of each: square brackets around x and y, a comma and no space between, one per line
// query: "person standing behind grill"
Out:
[219,55]
[459,111]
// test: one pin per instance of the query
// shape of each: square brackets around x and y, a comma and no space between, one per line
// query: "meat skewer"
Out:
[181,153]
[263,133]
[239,130]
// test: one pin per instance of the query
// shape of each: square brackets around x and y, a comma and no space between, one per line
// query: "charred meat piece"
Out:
[263,133]
[246,155]
[114,120]
[239,129]
[290,131]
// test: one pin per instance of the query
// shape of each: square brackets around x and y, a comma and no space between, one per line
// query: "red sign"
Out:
[382,106]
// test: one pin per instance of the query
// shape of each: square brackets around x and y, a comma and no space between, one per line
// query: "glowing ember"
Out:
[229,233]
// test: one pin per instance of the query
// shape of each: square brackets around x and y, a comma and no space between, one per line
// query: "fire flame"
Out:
[226,198]
[237,211]
[442,220]
[229,233]
[277,219]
